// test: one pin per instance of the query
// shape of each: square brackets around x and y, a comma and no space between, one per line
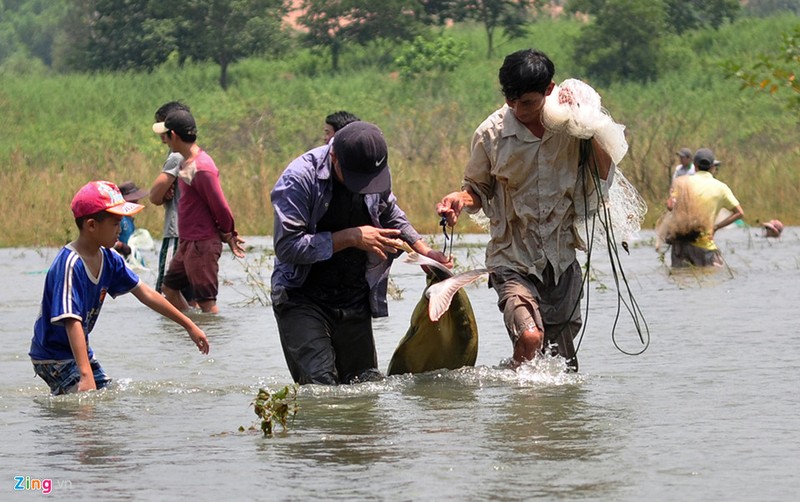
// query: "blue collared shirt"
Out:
[300,198]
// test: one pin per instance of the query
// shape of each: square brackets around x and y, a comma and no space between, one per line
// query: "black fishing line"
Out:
[447,238]
[603,216]
[585,147]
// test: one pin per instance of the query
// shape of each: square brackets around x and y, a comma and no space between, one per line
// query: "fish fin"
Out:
[440,295]
[422,260]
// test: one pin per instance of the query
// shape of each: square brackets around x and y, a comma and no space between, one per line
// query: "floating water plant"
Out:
[277,407]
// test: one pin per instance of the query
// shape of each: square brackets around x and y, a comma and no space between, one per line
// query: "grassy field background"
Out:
[60,131]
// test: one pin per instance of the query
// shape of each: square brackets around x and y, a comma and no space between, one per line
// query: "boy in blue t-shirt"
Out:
[82,274]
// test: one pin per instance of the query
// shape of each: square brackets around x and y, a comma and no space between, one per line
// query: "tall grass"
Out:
[58,132]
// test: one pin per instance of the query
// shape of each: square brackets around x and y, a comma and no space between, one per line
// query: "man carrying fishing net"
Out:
[694,205]
[535,179]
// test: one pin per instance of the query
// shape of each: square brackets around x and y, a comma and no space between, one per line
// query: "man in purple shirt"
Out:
[205,220]
[337,229]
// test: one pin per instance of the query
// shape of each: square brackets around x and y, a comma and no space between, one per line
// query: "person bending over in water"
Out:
[337,229]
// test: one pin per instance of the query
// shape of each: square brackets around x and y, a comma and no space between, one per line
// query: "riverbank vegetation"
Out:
[60,130]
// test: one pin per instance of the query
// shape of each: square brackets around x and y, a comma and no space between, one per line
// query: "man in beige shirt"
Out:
[533,185]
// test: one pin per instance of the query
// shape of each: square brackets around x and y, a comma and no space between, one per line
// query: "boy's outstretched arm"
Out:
[155,301]
[77,342]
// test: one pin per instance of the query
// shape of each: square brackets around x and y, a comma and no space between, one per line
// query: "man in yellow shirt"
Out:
[695,202]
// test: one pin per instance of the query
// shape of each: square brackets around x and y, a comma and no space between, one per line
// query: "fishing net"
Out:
[623,210]
[574,107]
[687,220]
[623,205]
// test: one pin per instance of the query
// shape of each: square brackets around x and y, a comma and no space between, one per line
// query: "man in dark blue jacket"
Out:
[337,229]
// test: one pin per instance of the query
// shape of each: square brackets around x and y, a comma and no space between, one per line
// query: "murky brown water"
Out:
[709,411]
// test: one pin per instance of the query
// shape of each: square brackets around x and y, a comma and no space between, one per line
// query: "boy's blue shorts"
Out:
[63,376]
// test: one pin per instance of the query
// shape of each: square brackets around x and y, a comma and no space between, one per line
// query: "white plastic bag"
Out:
[139,240]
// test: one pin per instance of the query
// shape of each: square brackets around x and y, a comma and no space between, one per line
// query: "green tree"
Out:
[70,41]
[439,12]
[126,34]
[225,31]
[765,8]
[508,17]
[685,15]
[8,39]
[776,74]
[36,23]
[681,15]
[141,34]
[332,24]
[623,41]
[585,6]
[28,28]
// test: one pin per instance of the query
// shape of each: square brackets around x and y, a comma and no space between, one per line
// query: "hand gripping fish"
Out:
[443,332]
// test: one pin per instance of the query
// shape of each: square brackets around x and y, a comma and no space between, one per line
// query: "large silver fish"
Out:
[443,332]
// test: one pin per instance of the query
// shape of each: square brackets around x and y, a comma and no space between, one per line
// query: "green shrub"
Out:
[423,56]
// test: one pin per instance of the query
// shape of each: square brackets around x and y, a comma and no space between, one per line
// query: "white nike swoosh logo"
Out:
[379,162]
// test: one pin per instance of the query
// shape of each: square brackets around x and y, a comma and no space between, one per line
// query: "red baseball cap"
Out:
[97,196]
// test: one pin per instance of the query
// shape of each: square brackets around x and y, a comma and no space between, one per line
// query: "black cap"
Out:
[684,152]
[180,121]
[363,157]
[131,193]
[704,158]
